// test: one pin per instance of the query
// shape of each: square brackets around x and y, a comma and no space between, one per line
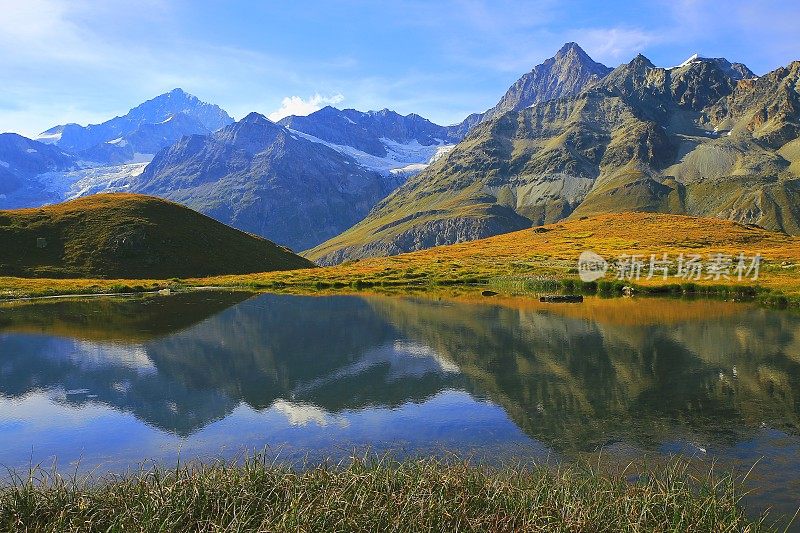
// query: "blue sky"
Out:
[88,60]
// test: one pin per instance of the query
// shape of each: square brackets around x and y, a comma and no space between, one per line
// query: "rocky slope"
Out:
[21,159]
[259,177]
[696,139]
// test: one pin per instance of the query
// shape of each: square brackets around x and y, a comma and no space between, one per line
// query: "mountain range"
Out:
[299,182]
[76,160]
[143,131]
[704,138]
[377,133]
[570,138]
[258,176]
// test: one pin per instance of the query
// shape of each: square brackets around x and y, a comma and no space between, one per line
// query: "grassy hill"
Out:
[130,236]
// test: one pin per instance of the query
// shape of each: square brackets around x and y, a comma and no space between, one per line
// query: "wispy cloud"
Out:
[87,60]
[75,33]
[614,45]
[295,105]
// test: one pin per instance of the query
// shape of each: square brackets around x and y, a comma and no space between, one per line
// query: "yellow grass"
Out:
[553,253]
[550,252]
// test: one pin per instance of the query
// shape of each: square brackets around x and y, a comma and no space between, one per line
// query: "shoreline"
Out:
[523,287]
[545,260]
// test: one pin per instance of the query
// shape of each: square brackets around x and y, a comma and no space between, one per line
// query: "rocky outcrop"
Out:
[432,233]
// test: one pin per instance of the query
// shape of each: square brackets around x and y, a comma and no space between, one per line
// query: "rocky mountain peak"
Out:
[387,114]
[178,92]
[255,118]
[145,129]
[158,109]
[572,51]
[635,76]
[324,112]
[565,74]
[641,62]
[735,71]
[252,133]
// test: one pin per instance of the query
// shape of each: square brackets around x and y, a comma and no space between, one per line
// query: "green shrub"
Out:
[778,301]
[568,285]
[119,288]
[588,287]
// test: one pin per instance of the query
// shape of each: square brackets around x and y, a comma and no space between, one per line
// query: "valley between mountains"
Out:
[570,142]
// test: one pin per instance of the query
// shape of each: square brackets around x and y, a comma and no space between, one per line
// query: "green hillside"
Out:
[130,236]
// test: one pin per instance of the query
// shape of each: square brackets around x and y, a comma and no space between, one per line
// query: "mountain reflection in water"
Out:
[126,380]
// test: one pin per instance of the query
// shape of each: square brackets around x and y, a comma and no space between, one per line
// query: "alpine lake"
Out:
[110,384]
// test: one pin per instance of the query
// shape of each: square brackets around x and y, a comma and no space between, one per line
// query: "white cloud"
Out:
[303,414]
[295,105]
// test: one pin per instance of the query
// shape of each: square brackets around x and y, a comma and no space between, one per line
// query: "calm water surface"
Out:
[110,383]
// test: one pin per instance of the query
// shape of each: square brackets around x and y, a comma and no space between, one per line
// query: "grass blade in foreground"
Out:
[374,495]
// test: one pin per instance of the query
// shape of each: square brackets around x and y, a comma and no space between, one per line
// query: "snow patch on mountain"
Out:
[442,151]
[76,183]
[689,61]
[402,159]
[49,138]
[409,170]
